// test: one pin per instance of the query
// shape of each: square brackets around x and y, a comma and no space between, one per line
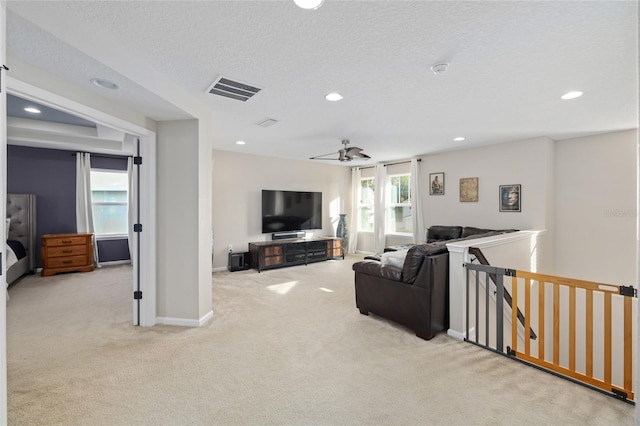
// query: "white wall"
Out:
[596,207]
[522,162]
[238,180]
[528,163]
[178,224]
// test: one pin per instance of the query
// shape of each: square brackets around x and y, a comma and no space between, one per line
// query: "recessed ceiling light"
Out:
[571,95]
[32,110]
[333,97]
[106,84]
[458,139]
[309,4]
[240,142]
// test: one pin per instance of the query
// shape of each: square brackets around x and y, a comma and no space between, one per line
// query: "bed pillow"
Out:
[11,257]
[17,248]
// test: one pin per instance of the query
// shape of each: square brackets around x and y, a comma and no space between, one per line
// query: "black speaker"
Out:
[238,261]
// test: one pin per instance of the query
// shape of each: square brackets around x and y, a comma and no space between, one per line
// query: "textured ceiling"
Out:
[509,64]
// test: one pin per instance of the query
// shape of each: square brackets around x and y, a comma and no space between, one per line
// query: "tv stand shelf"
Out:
[299,251]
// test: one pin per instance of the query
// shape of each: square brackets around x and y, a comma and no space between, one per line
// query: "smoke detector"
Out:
[439,67]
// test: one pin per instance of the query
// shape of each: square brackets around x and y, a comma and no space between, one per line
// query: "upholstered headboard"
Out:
[21,209]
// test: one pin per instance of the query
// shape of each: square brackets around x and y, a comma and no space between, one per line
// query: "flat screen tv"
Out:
[284,211]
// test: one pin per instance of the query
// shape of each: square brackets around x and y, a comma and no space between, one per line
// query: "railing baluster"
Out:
[514,313]
[477,306]
[572,328]
[556,324]
[467,306]
[607,338]
[541,303]
[487,333]
[628,344]
[527,316]
[589,332]
[499,312]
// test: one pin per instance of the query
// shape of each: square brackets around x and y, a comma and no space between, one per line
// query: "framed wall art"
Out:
[437,183]
[469,189]
[510,198]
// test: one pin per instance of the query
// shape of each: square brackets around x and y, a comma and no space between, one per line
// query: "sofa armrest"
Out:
[434,272]
[372,267]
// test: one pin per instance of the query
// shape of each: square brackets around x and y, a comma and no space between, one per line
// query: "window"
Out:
[366,191]
[399,220]
[109,202]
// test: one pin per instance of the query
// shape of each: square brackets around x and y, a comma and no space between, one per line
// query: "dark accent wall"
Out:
[50,174]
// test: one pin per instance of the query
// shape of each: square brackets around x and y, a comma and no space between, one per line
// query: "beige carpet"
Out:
[285,347]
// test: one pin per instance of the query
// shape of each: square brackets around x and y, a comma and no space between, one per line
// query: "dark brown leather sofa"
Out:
[416,295]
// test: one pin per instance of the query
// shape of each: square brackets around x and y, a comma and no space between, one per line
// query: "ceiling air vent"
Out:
[267,122]
[232,89]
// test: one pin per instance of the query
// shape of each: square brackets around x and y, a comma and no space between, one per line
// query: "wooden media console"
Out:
[280,253]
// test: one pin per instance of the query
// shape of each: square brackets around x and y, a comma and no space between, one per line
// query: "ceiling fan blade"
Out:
[361,155]
[320,157]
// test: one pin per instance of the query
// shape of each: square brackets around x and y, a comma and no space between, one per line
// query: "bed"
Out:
[21,236]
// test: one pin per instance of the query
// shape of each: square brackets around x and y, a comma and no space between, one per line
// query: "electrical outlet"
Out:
[230,247]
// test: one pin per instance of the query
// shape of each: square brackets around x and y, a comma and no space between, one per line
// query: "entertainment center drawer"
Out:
[273,251]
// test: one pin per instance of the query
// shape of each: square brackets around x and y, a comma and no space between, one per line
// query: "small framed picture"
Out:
[469,189]
[510,198]
[437,183]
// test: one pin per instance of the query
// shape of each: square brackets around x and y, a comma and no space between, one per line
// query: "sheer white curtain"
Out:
[355,203]
[416,203]
[131,204]
[84,214]
[380,209]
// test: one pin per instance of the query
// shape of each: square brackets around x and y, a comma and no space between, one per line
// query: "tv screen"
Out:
[284,211]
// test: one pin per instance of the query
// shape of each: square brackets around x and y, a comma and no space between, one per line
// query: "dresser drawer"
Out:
[66,262]
[59,251]
[65,241]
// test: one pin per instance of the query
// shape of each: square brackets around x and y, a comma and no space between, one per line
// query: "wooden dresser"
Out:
[66,253]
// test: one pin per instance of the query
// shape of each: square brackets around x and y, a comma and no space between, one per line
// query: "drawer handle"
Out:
[67,241]
[67,261]
[67,251]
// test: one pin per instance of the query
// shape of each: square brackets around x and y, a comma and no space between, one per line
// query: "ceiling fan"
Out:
[344,154]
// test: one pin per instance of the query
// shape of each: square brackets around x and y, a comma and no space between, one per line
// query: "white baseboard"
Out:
[206,318]
[459,334]
[116,262]
[219,269]
[183,322]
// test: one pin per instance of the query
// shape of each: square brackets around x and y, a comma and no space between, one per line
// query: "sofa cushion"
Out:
[372,267]
[470,230]
[415,257]
[439,232]
[394,258]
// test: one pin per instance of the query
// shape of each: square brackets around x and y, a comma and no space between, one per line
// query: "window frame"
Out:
[389,206]
[117,236]
[361,205]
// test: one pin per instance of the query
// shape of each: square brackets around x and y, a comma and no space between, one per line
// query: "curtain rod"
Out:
[401,162]
[390,164]
[103,155]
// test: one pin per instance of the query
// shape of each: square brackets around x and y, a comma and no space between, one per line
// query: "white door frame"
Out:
[147,185]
